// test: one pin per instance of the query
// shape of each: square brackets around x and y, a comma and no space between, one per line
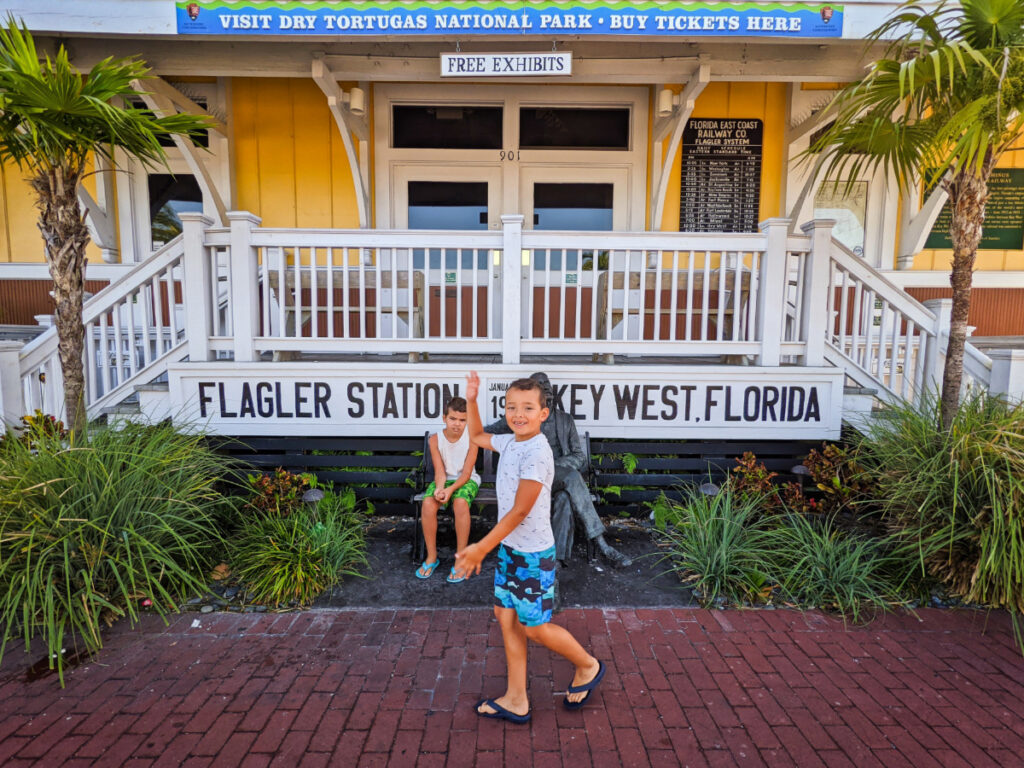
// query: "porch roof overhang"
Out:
[386,60]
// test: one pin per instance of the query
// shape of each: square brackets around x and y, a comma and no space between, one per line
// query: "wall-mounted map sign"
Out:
[720,184]
[641,401]
[543,17]
[1004,215]
[505,64]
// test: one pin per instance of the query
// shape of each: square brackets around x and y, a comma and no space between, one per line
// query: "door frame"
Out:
[580,165]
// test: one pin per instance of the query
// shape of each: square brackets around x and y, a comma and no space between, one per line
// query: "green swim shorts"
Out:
[467,491]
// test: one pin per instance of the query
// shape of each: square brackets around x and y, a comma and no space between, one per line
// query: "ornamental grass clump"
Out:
[291,557]
[91,530]
[718,545]
[956,497]
[818,564]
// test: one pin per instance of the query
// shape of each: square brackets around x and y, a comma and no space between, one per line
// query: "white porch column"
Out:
[815,325]
[511,287]
[1007,373]
[772,291]
[935,355]
[196,290]
[12,405]
[244,288]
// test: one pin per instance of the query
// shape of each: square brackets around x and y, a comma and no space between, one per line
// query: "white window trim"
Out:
[588,163]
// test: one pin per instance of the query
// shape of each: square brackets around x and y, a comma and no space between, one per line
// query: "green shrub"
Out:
[90,530]
[956,497]
[717,544]
[292,558]
[279,492]
[818,564]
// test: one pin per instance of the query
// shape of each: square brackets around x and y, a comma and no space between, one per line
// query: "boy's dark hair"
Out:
[457,404]
[531,385]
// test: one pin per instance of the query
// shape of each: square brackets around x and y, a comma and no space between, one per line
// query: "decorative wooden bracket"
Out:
[915,229]
[349,123]
[157,94]
[687,99]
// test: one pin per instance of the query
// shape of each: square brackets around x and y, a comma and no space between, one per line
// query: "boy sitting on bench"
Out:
[455,480]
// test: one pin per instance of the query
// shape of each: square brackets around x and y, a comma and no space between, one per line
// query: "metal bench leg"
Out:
[418,550]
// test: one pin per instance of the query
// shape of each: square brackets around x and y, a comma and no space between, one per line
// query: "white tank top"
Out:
[453,455]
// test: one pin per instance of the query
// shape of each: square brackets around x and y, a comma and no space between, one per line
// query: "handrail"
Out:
[95,306]
[885,289]
[126,339]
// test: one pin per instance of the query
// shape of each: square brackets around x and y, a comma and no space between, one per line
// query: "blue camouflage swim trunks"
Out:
[525,582]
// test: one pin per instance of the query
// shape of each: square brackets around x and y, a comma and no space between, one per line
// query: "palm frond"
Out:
[52,114]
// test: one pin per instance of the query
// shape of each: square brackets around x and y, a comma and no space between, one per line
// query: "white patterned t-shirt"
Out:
[525,460]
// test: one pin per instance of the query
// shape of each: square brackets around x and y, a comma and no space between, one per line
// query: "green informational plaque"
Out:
[1004,215]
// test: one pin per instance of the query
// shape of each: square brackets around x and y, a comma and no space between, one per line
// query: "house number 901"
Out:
[511,154]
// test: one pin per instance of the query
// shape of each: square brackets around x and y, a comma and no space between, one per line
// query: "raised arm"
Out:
[477,436]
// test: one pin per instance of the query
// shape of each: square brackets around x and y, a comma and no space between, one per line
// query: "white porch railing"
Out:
[329,291]
[241,292]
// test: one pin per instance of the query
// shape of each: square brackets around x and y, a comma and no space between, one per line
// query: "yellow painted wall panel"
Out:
[289,161]
[764,101]
[22,241]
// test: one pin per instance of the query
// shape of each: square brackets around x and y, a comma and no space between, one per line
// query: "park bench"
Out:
[486,467]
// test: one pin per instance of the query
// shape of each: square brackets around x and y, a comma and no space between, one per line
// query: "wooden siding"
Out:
[762,101]
[22,300]
[20,241]
[994,311]
[290,165]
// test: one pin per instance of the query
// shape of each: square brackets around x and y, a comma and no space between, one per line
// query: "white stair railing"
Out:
[876,331]
[133,328]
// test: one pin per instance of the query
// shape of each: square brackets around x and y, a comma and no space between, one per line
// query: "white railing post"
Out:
[245,303]
[815,325]
[935,355]
[511,288]
[772,293]
[196,286]
[1007,373]
[12,403]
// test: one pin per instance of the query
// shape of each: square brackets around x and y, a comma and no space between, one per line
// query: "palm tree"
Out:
[53,119]
[942,104]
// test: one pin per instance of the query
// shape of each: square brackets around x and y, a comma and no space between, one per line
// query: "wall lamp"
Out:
[667,102]
[356,100]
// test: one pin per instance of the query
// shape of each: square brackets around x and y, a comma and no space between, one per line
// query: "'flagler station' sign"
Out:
[667,18]
[331,399]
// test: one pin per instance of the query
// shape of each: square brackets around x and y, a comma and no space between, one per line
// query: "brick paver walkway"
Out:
[387,687]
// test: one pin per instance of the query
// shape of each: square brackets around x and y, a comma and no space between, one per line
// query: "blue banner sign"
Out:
[643,19]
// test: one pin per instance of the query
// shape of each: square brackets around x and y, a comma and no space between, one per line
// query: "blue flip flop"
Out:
[500,712]
[453,579]
[586,687]
[428,569]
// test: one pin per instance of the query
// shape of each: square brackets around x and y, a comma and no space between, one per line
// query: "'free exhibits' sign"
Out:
[324,399]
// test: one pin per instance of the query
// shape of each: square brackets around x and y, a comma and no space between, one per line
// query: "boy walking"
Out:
[525,576]
[455,480]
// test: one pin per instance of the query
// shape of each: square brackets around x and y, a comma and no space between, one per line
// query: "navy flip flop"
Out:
[500,712]
[585,688]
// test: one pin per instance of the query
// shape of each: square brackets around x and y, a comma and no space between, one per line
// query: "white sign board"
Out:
[505,64]
[671,402]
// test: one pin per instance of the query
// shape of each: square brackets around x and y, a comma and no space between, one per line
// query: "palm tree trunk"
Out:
[968,194]
[65,235]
